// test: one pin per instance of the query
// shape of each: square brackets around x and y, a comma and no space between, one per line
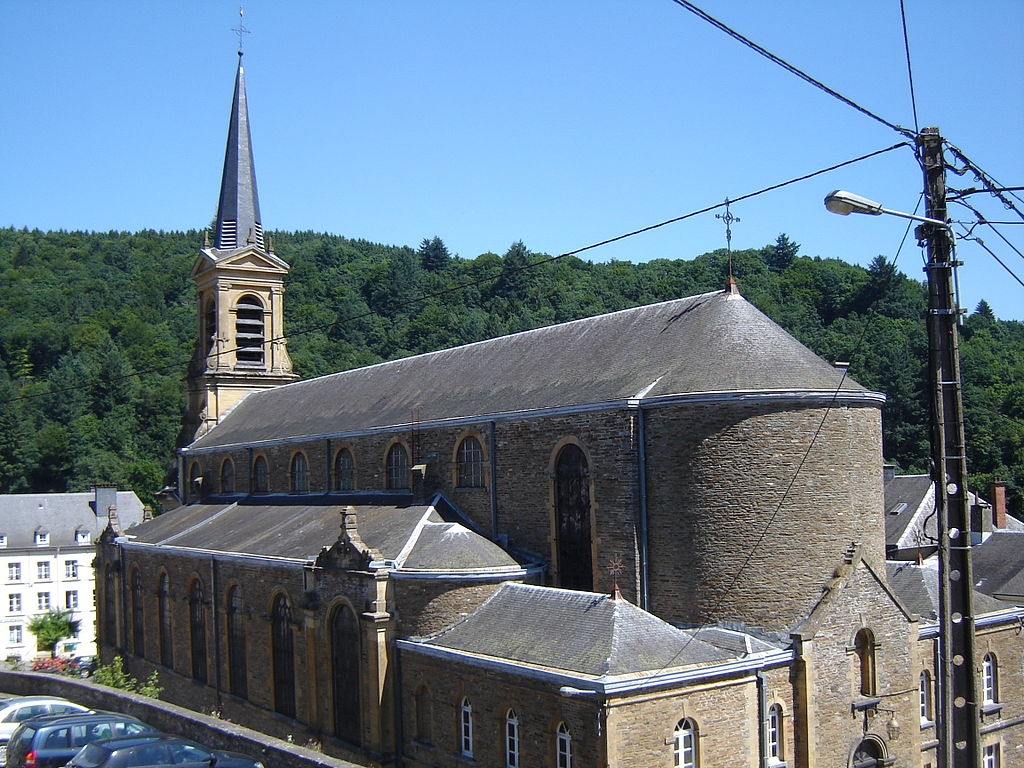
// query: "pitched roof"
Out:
[998,565]
[238,211]
[61,515]
[918,588]
[583,632]
[712,343]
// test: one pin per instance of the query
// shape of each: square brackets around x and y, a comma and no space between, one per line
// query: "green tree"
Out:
[52,627]
[113,675]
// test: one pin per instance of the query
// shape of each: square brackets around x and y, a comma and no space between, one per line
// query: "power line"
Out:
[910,71]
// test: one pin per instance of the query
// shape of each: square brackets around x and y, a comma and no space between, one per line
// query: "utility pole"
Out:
[959,720]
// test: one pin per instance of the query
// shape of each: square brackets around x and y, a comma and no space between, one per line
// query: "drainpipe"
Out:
[641,461]
[494,480]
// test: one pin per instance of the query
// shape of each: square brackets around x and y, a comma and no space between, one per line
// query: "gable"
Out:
[247,259]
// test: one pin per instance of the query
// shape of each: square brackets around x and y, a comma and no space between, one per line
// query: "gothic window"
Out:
[138,615]
[470,464]
[227,476]
[209,327]
[260,476]
[989,679]
[864,647]
[299,473]
[237,670]
[397,468]
[563,746]
[344,471]
[684,745]
[511,739]
[197,629]
[283,653]
[773,742]
[424,715]
[926,697]
[345,661]
[195,480]
[466,728]
[166,627]
[249,336]
[109,606]
[572,513]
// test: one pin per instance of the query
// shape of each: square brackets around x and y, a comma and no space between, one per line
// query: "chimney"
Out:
[105,498]
[997,494]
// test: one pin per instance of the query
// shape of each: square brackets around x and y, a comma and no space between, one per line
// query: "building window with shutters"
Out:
[249,335]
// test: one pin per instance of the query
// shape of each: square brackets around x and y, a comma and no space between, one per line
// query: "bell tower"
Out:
[240,344]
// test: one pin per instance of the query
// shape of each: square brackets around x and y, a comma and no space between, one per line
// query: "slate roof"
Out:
[61,515]
[918,589]
[998,565]
[710,343]
[412,537]
[238,211]
[582,632]
[904,495]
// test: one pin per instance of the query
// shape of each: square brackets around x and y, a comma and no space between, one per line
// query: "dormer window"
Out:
[83,536]
[3,540]
[41,537]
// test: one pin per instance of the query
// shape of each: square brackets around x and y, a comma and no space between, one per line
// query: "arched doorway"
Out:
[869,754]
[345,665]
[572,518]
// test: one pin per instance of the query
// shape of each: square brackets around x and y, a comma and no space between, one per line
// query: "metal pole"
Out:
[959,723]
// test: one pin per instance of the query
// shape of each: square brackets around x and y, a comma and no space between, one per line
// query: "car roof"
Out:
[120,742]
[78,717]
[33,699]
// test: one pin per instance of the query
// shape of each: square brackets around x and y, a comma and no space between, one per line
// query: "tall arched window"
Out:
[227,476]
[344,471]
[989,679]
[283,653]
[864,647]
[511,739]
[195,480]
[299,473]
[109,605]
[773,740]
[345,662]
[572,513]
[470,464]
[397,467]
[249,336]
[684,745]
[563,746]
[466,728]
[424,716]
[209,330]
[138,615]
[237,667]
[260,476]
[926,697]
[166,628]
[197,629]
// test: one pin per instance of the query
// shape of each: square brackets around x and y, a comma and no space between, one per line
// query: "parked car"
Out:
[49,741]
[13,712]
[155,750]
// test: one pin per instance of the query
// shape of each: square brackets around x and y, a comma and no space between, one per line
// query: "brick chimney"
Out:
[997,494]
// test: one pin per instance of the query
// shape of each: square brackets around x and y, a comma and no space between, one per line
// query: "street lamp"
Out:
[959,719]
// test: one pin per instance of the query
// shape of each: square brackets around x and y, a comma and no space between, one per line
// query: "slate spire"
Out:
[238,213]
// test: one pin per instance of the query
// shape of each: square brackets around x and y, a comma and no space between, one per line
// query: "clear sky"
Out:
[560,123]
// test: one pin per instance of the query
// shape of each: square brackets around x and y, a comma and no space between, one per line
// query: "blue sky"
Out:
[558,123]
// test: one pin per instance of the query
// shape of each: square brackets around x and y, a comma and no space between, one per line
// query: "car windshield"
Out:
[91,756]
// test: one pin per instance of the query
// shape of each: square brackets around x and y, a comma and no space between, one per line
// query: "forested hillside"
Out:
[96,330]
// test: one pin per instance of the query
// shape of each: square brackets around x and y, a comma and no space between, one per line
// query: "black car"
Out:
[49,741]
[156,750]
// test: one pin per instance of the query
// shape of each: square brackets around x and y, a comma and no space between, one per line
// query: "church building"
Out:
[654,537]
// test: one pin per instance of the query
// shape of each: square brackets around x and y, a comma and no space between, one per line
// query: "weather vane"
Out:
[615,569]
[240,29]
[728,218]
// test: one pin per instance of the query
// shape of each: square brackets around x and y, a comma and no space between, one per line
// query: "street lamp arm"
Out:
[844,203]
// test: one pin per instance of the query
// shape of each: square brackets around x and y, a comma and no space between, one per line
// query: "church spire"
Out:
[238,213]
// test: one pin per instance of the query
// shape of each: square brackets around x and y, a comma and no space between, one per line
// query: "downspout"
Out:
[762,719]
[641,461]
[214,591]
[492,429]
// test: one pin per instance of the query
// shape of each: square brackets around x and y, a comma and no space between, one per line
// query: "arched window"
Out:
[283,653]
[773,740]
[138,615]
[424,716]
[572,513]
[868,754]
[345,661]
[299,473]
[470,464]
[237,669]
[864,647]
[684,745]
[197,629]
[926,697]
[466,728]
[344,471]
[397,468]
[166,634]
[249,332]
[511,739]
[195,480]
[260,476]
[109,605]
[563,746]
[989,679]
[227,476]
[209,330]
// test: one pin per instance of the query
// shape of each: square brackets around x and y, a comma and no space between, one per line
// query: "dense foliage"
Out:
[96,331]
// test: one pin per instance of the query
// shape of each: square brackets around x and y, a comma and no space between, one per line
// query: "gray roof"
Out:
[583,632]
[998,564]
[917,586]
[61,515]
[712,343]
[413,537]
[904,495]
[238,211]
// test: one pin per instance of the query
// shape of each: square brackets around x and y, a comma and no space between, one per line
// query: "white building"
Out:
[47,547]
